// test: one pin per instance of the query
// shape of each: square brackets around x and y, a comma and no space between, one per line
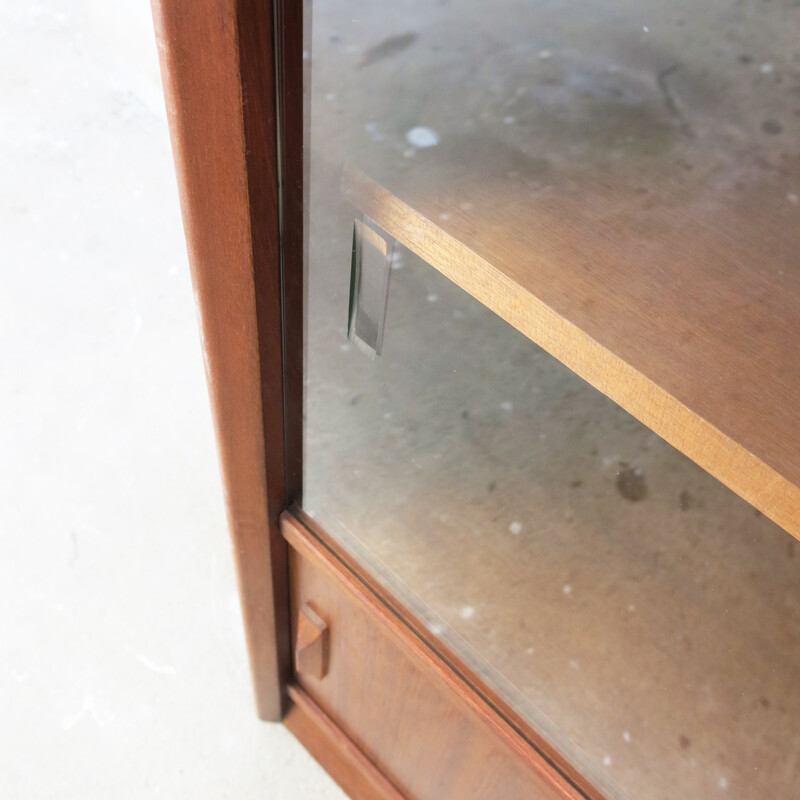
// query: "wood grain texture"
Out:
[410,713]
[217,68]
[689,318]
[462,666]
[343,761]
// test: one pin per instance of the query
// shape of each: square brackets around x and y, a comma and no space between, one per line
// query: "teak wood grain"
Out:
[343,761]
[479,684]
[217,61]
[402,705]
[689,318]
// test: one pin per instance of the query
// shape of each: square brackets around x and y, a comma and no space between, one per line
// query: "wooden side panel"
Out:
[404,708]
[343,761]
[225,157]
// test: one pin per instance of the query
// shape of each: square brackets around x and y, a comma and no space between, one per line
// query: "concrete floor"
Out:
[123,664]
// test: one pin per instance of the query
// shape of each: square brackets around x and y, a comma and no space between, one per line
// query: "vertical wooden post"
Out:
[218,68]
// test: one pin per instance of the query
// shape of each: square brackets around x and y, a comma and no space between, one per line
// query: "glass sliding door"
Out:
[552,374]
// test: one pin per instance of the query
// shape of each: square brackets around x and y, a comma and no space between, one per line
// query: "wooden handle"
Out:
[311,645]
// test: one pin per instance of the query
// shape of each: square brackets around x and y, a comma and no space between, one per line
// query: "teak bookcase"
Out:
[389,709]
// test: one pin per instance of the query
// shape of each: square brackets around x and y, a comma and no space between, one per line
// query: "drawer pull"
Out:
[311,646]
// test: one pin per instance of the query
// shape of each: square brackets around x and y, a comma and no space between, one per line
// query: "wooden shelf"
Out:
[679,299]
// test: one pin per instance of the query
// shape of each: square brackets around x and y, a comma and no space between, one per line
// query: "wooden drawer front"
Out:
[404,708]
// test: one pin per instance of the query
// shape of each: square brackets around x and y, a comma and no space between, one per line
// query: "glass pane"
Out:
[616,184]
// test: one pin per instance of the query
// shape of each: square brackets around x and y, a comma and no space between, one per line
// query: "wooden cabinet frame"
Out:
[233,78]
[218,67]
[222,62]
